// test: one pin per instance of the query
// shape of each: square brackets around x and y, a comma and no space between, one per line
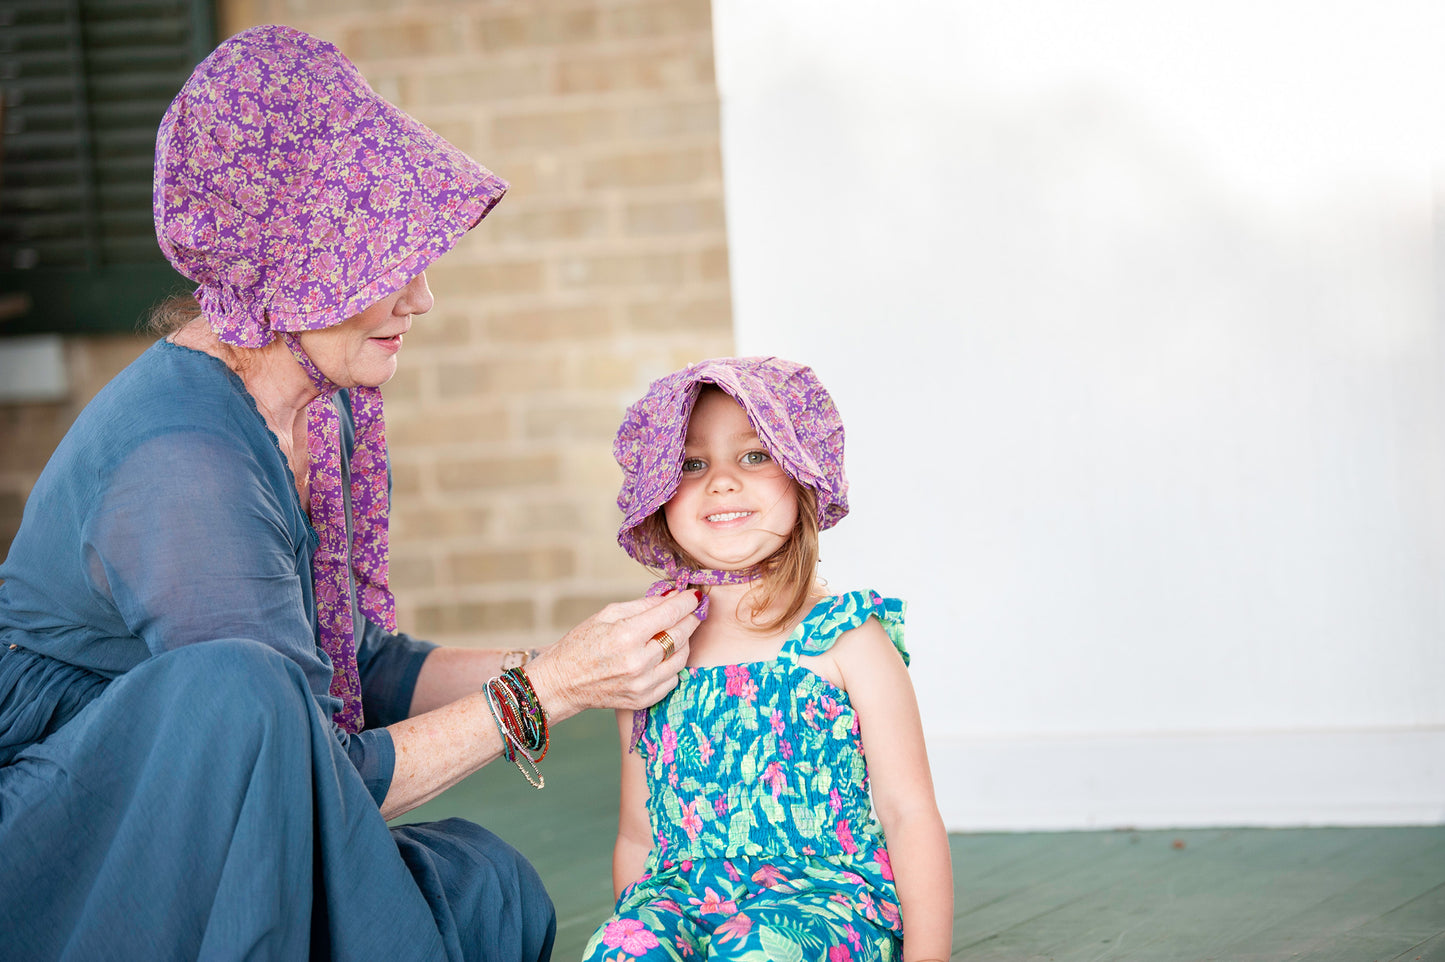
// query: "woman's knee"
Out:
[232,681]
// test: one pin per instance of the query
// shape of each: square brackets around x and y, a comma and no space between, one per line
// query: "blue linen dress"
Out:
[765,844]
[171,783]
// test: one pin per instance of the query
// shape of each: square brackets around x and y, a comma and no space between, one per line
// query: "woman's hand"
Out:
[608,661]
[611,661]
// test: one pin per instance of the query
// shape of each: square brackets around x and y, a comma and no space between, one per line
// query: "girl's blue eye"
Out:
[756,457]
[691,465]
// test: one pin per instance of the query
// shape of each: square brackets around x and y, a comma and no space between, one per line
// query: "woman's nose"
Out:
[416,296]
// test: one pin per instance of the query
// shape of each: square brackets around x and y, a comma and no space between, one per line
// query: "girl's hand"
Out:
[611,661]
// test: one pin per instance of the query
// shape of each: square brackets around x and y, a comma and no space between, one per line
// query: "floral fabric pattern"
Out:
[295,197]
[765,844]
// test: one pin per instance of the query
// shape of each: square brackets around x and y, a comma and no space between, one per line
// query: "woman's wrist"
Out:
[558,698]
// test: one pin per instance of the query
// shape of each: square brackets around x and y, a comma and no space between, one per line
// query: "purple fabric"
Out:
[296,198]
[785,403]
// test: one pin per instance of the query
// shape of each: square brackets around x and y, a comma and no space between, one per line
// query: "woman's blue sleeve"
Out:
[192,542]
[389,664]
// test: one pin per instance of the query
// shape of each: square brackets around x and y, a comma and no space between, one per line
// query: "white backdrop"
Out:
[1132,311]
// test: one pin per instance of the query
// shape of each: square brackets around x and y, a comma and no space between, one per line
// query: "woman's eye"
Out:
[693,465]
[756,457]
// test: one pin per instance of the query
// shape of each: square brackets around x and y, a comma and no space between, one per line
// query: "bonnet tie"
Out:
[680,578]
[365,557]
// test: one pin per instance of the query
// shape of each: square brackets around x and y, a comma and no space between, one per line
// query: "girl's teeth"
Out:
[730,516]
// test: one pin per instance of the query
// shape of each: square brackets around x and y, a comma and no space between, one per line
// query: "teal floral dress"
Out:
[765,844]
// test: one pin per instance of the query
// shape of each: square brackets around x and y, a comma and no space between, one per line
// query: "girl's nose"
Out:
[416,296]
[721,479]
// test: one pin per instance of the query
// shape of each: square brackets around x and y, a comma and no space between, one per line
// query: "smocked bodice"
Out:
[766,757]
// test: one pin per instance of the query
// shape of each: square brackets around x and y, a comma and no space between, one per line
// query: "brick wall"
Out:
[603,268]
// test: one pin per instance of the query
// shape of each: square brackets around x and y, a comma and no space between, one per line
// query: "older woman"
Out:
[206,711]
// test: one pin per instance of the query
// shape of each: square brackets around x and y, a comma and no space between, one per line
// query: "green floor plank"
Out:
[1431,950]
[1232,895]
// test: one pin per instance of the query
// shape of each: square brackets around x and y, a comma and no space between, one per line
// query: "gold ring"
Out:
[665,640]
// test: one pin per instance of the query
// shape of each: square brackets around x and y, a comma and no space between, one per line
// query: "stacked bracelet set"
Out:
[521,721]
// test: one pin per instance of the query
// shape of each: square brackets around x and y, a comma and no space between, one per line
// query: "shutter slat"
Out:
[85,84]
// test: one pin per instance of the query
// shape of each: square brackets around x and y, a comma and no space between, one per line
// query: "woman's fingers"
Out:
[611,661]
[673,612]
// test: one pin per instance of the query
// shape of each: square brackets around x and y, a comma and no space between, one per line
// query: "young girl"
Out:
[746,830]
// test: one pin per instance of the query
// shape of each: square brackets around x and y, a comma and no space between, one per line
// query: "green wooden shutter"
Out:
[85,83]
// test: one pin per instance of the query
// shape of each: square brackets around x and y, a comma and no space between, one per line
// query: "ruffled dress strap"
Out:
[831,617]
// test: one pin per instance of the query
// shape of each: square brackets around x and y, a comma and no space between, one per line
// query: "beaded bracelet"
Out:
[521,722]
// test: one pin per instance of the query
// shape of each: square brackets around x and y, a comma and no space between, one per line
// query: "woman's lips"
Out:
[389,344]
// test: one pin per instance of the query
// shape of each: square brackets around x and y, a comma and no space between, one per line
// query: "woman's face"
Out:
[734,505]
[361,350]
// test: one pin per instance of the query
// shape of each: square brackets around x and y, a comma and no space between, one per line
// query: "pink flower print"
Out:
[774,778]
[890,912]
[250,113]
[684,946]
[669,744]
[839,953]
[661,844]
[884,865]
[854,937]
[831,709]
[664,905]
[732,872]
[629,935]
[840,898]
[720,805]
[740,682]
[777,722]
[691,821]
[866,906]
[810,711]
[685,865]
[705,749]
[835,800]
[713,904]
[845,837]
[785,749]
[384,196]
[768,876]
[856,729]
[736,927]
[672,778]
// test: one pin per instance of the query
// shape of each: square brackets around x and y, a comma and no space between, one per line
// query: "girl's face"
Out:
[362,349]
[735,505]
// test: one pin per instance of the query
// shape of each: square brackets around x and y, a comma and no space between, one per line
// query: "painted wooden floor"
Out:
[1235,895]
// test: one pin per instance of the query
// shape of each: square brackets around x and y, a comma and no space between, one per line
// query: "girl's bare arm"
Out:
[634,832]
[878,686]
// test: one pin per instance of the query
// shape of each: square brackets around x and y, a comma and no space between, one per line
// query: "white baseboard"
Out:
[1271,779]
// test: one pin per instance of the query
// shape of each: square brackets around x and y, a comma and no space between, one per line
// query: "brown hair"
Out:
[172,314]
[789,573]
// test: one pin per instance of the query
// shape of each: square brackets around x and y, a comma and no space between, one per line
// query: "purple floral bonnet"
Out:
[786,404]
[295,197]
